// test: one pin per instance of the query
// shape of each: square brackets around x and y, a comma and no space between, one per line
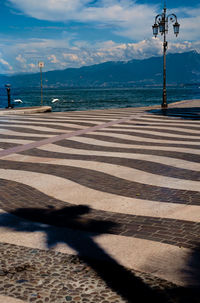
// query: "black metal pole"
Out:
[164,102]
[41,86]
[8,93]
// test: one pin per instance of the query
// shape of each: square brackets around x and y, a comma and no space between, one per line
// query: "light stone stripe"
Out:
[84,118]
[32,119]
[17,141]
[159,259]
[118,171]
[106,111]
[102,115]
[98,117]
[37,128]
[44,123]
[179,163]
[22,134]
[132,146]
[141,139]
[76,194]
[157,129]
[69,116]
[81,119]
[155,133]
[70,121]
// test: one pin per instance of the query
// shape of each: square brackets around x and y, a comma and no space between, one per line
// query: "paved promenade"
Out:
[101,206]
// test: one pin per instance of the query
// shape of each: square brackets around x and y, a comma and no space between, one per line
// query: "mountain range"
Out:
[182,68]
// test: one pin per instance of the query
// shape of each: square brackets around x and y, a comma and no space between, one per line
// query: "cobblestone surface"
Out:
[39,276]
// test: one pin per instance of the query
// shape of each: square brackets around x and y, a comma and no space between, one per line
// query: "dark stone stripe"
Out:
[107,183]
[184,113]
[6,136]
[165,121]
[29,130]
[98,119]
[179,155]
[92,113]
[183,126]
[142,165]
[89,124]
[45,209]
[122,141]
[149,136]
[48,121]
[6,145]
[40,125]
[34,119]
[92,123]
[165,131]
[183,116]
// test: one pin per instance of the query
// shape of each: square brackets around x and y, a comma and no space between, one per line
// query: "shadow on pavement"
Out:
[193,268]
[189,113]
[65,225]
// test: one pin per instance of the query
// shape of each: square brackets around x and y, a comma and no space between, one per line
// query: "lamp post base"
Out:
[164,106]
[164,96]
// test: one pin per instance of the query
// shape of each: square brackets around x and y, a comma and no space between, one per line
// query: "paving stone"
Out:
[46,276]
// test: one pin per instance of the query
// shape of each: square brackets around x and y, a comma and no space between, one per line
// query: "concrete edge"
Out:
[25,110]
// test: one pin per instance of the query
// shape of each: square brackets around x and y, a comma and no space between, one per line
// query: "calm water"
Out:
[84,99]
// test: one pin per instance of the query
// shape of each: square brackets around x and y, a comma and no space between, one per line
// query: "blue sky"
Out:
[74,33]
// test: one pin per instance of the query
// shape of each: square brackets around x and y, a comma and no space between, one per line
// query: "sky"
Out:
[74,33]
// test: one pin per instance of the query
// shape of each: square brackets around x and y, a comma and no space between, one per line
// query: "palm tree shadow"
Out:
[66,225]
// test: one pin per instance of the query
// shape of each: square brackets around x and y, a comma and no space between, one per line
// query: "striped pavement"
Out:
[132,175]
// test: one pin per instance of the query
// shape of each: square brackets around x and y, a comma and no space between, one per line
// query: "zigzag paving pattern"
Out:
[100,206]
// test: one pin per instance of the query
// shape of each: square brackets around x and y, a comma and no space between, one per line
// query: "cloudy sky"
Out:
[73,33]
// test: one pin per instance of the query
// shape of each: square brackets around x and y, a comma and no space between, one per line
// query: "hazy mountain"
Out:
[181,68]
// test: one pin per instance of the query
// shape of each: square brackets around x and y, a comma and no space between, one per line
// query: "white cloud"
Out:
[53,59]
[5,67]
[126,16]
[23,56]
[21,59]
[32,66]
[71,57]
[82,10]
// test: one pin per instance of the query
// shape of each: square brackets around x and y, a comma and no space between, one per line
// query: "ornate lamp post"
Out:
[161,25]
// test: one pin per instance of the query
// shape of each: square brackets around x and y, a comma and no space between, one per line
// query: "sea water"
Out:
[96,98]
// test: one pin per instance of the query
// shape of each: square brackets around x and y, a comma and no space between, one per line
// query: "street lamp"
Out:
[161,25]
